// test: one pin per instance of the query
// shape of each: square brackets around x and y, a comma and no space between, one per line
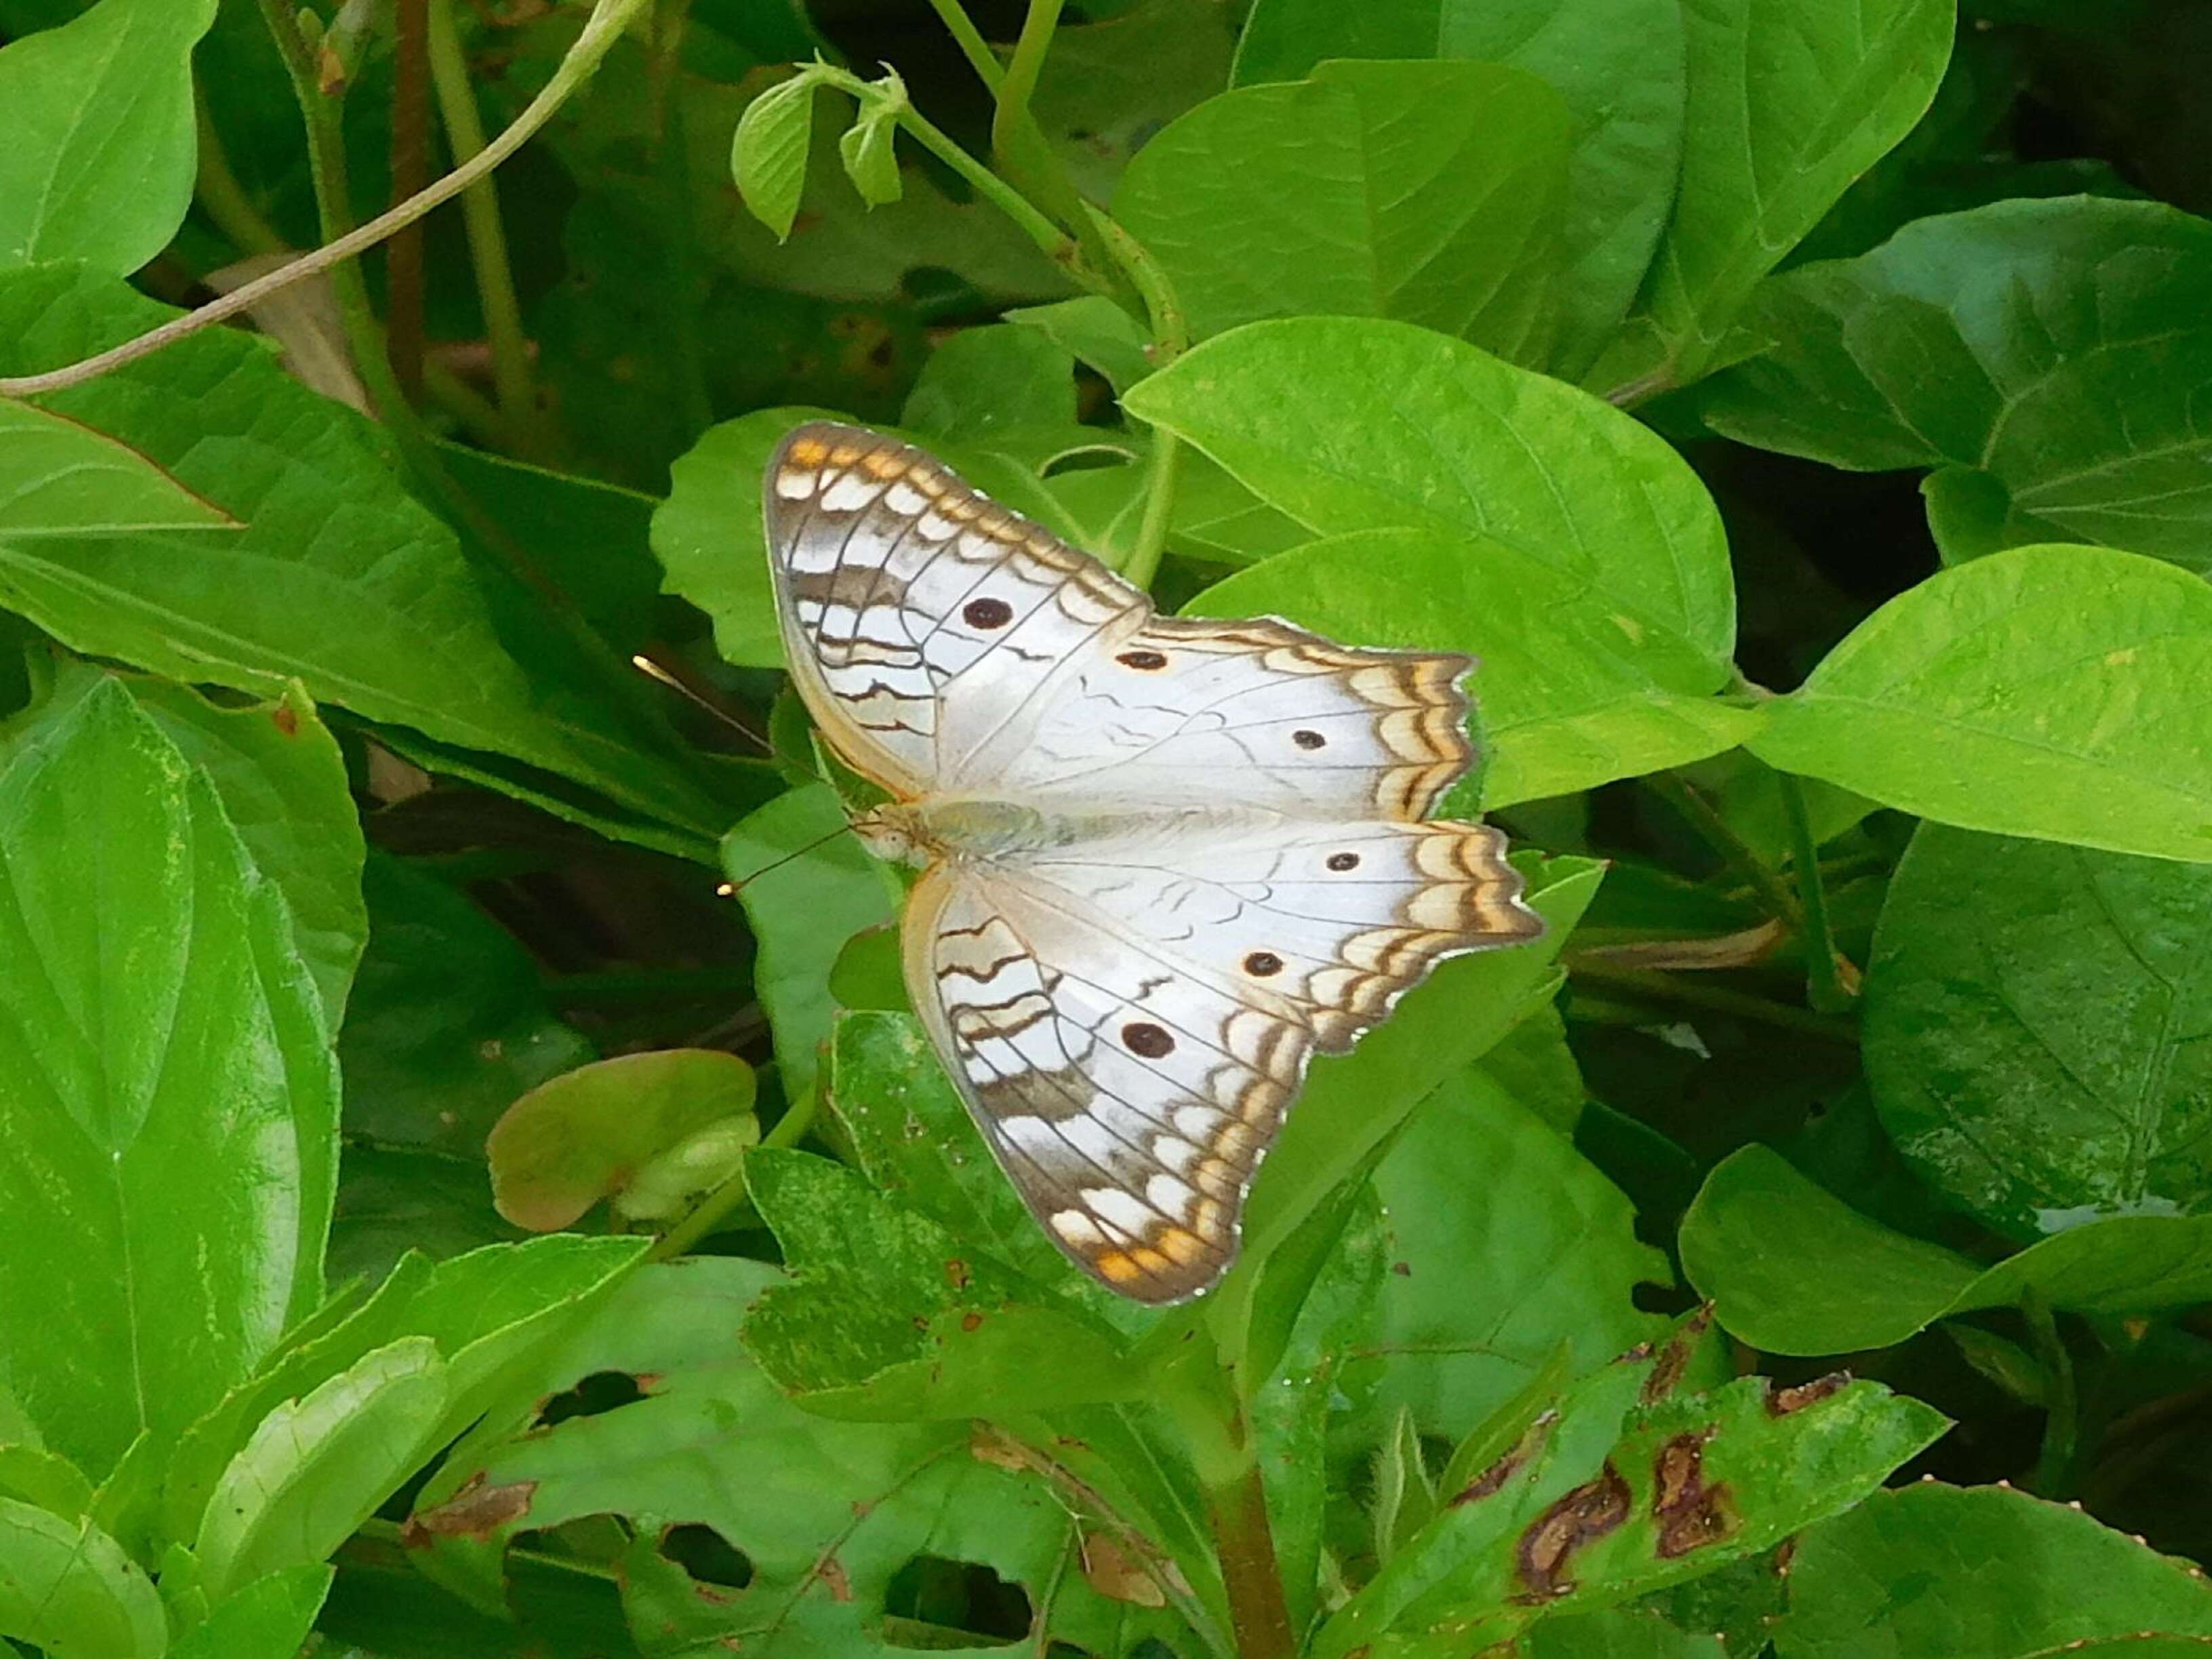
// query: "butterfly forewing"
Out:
[1224,872]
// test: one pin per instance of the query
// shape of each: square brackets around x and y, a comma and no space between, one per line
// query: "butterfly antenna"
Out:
[731,889]
[652,670]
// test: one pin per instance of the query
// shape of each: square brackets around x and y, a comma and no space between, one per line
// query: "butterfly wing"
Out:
[945,644]
[918,616]
[1129,1076]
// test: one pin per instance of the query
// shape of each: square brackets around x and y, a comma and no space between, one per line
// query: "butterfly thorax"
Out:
[925,831]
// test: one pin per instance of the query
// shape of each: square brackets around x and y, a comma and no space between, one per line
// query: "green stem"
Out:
[1824,985]
[1696,993]
[608,20]
[223,199]
[1698,812]
[2054,1463]
[1144,560]
[969,39]
[1227,1464]
[1021,71]
[326,167]
[511,377]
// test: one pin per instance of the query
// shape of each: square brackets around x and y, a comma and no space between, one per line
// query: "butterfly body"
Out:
[1165,861]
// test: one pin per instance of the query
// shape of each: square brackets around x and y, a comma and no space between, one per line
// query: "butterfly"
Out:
[1164,861]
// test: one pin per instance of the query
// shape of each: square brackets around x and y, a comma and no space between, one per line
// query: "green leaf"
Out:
[802,912]
[154,974]
[45,1479]
[317,1468]
[2042,1089]
[98,166]
[2063,693]
[1573,690]
[1628,1487]
[1790,100]
[449,1022]
[339,579]
[1618,64]
[826,1513]
[594,1133]
[268,1618]
[2011,1577]
[1301,411]
[67,1587]
[768,151]
[871,161]
[1793,1270]
[1096,331]
[1428,192]
[998,376]
[486,1314]
[2001,346]
[57,478]
[1109,87]
[1477,1178]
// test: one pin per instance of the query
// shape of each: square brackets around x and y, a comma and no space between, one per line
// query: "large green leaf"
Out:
[2043,1087]
[2059,692]
[1937,1572]
[1477,1178]
[1109,87]
[151,973]
[1617,63]
[826,1513]
[68,1587]
[1793,1269]
[1429,192]
[1790,100]
[339,579]
[1471,506]
[98,165]
[272,1617]
[1626,1487]
[2040,355]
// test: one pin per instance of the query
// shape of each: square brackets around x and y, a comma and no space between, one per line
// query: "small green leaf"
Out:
[2009,1365]
[2059,692]
[2042,1089]
[768,153]
[1792,1269]
[98,165]
[1932,1571]
[871,161]
[1428,192]
[591,1133]
[1404,1496]
[2000,346]
[317,1468]
[68,1589]
[1096,331]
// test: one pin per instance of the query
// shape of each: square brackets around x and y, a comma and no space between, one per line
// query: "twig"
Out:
[410,171]
[1698,812]
[1696,993]
[1828,982]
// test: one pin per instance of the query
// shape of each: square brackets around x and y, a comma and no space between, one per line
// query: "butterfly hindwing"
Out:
[1129,1074]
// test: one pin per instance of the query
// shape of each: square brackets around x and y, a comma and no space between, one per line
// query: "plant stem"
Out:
[727,1199]
[511,375]
[1695,994]
[1823,984]
[410,171]
[1244,1541]
[1022,70]
[600,31]
[2054,1463]
[1698,812]
[1144,560]
[223,198]
[969,39]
